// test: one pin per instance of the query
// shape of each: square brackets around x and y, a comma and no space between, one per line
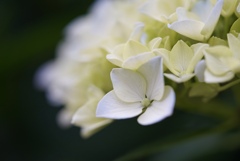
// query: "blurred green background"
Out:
[29,34]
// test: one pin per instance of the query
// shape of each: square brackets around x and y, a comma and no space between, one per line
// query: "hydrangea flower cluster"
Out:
[127,57]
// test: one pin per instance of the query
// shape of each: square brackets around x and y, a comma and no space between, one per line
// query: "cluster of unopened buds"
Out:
[128,58]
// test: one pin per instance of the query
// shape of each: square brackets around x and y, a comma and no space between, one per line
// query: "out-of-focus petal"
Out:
[212,19]
[188,28]
[210,78]
[198,54]
[199,70]
[135,62]
[133,48]
[234,45]
[116,57]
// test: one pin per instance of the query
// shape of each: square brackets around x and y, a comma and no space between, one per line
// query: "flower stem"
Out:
[229,85]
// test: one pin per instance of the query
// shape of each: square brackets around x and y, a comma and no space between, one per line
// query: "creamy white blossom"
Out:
[229,7]
[138,92]
[181,60]
[135,51]
[85,117]
[164,10]
[81,61]
[199,22]
[197,41]
[221,62]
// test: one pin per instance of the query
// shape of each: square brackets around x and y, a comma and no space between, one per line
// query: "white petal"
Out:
[135,61]
[183,14]
[129,86]
[180,56]
[86,118]
[229,8]
[198,54]
[116,56]
[137,32]
[218,50]
[162,10]
[153,73]
[154,43]
[64,118]
[212,20]
[165,55]
[180,79]
[210,78]
[234,45]
[114,60]
[152,9]
[45,75]
[232,63]
[199,70]
[215,65]
[188,28]
[202,9]
[159,109]
[88,131]
[133,48]
[110,106]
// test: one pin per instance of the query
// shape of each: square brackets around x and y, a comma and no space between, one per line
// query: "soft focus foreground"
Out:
[197,40]
[141,58]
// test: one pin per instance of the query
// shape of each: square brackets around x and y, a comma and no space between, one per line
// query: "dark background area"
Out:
[29,33]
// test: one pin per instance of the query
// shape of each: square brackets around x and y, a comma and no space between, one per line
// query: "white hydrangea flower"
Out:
[164,10]
[66,87]
[229,7]
[221,63]
[85,117]
[181,60]
[97,31]
[81,60]
[134,53]
[139,36]
[199,23]
[199,70]
[58,77]
[138,92]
